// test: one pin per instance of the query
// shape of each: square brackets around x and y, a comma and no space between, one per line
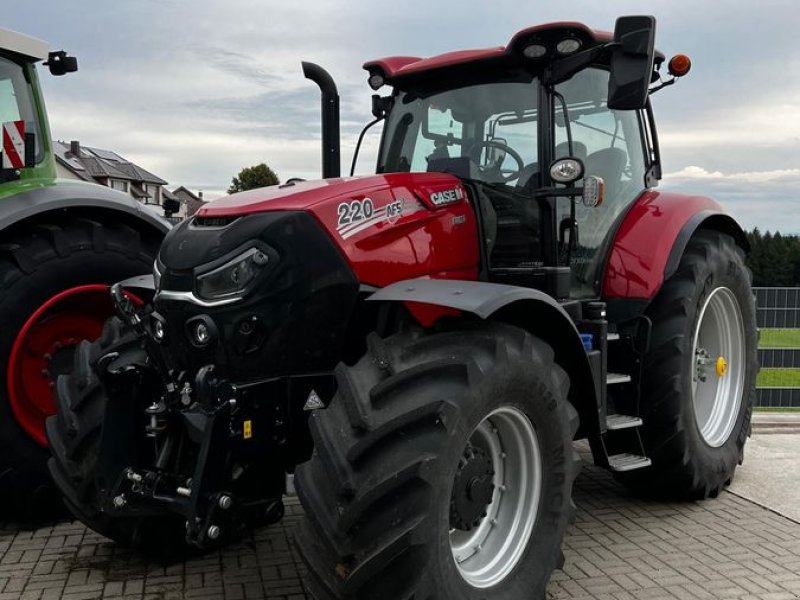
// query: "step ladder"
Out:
[615,422]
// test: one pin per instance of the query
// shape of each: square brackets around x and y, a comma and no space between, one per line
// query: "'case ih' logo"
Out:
[447,196]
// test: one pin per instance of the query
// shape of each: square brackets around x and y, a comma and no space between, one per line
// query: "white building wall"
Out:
[64,173]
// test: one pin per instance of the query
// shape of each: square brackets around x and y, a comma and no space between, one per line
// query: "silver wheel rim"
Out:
[718,366]
[488,553]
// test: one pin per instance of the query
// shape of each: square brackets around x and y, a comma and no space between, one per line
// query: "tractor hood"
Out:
[398,225]
[431,189]
[317,241]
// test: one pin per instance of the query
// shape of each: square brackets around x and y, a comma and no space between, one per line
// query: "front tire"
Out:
[54,280]
[74,434]
[442,469]
[698,386]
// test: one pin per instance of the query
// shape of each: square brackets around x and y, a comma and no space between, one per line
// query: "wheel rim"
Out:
[718,366]
[488,553]
[43,350]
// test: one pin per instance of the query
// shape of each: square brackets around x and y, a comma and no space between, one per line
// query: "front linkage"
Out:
[197,452]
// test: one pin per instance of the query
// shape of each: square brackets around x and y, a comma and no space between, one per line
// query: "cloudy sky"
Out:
[194,90]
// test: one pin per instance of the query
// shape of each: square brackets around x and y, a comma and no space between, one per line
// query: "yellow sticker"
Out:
[248,429]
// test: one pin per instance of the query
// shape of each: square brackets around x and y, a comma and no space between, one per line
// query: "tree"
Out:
[774,259]
[253,177]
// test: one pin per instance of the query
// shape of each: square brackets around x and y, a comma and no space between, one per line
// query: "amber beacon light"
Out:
[679,65]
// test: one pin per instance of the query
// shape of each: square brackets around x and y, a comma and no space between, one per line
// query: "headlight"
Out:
[566,170]
[233,277]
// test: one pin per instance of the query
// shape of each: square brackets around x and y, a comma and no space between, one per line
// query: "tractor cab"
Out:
[25,151]
[551,134]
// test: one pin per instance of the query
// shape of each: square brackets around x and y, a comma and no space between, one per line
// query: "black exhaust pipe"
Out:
[331,166]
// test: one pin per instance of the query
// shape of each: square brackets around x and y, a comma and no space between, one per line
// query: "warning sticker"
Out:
[13,145]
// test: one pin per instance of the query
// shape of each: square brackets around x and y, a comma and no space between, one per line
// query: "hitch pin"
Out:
[132,476]
[184,491]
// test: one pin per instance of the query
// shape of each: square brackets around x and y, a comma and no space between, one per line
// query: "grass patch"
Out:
[778,378]
[776,409]
[780,338]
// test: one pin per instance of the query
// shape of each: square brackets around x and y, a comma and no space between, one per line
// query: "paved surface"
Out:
[776,422]
[619,548]
[770,474]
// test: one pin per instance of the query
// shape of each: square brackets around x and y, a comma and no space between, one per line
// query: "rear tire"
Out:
[696,410]
[74,434]
[397,484]
[37,262]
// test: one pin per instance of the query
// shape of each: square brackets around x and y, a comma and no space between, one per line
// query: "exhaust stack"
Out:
[331,165]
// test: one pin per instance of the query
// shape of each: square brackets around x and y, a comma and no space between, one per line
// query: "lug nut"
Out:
[225,502]
[213,532]
[119,501]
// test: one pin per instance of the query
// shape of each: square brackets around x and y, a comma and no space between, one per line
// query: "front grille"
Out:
[213,221]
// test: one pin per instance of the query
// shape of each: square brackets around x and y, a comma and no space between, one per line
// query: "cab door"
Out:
[611,144]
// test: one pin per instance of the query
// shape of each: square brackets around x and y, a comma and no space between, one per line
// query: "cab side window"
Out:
[610,144]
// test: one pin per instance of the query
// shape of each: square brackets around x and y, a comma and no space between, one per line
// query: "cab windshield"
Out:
[486,132]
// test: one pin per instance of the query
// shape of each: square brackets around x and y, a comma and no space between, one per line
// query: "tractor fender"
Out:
[705,219]
[90,199]
[651,239]
[530,309]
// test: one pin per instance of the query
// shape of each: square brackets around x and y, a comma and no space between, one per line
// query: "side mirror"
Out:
[631,62]
[60,64]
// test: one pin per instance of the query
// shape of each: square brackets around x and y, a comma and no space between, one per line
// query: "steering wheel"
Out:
[494,170]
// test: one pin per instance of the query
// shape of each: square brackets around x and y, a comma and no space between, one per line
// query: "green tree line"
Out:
[774,259]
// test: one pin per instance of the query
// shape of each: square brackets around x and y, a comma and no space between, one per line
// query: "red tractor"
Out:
[422,346]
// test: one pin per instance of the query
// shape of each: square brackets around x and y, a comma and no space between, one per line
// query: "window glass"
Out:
[610,144]
[16,100]
[476,128]
[439,123]
[9,109]
[517,132]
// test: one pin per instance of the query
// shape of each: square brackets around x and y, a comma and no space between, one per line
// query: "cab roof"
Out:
[397,69]
[29,47]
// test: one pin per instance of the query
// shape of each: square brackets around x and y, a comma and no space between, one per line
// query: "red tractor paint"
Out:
[402,235]
[643,243]
[394,67]
[43,347]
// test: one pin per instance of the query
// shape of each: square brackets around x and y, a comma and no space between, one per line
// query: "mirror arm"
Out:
[565,67]
[361,139]
[662,85]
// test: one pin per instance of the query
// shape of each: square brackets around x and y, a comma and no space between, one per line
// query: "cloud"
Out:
[769,200]
[694,173]
[197,90]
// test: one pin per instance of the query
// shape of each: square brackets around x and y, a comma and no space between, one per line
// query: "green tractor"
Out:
[62,243]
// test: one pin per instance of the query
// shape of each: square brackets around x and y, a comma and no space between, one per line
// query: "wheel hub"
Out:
[719,366]
[495,497]
[43,350]
[472,489]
